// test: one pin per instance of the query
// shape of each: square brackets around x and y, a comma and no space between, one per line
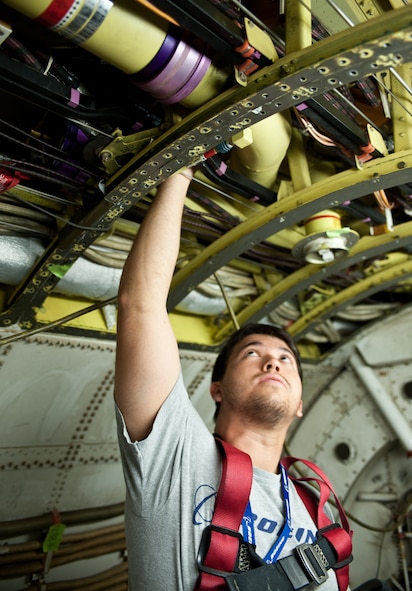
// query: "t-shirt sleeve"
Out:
[153,464]
[176,401]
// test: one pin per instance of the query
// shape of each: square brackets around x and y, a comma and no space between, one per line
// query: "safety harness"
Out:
[226,561]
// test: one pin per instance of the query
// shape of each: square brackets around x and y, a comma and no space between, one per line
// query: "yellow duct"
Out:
[113,32]
[262,148]
[130,36]
[125,34]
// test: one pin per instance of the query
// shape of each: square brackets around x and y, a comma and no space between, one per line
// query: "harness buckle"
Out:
[349,556]
[204,547]
[313,561]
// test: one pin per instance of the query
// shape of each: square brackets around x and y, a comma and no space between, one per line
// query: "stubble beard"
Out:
[262,410]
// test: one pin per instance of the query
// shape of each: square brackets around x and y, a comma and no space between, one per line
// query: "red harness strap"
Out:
[340,538]
[231,500]
[230,505]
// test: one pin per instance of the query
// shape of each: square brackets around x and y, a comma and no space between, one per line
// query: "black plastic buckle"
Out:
[204,547]
[310,560]
[343,562]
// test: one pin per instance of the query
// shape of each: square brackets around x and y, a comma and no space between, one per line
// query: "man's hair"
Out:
[222,359]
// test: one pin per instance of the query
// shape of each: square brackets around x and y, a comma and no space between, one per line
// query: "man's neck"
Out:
[264,448]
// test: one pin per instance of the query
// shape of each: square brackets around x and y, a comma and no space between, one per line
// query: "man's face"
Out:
[261,384]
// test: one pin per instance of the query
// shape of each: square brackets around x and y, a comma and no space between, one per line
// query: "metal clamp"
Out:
[204,547]
[313,562]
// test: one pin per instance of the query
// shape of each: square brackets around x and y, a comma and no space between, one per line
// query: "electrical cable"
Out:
[352,105]
[325,113]
[207,288]
[23,82]
[19,211]
[390,68]
[110,251]
[365,313]
[231,180]
[391,94]
[24,226]
[39,172]
[116,241]
[373,76]
[60,218]
[214,210]
[68,551]
[22,221]
[92,535]
[76,517]
[112,579]
[10,196]
[112,259]
[277,40]
[382,200]
[57,156]
[213,224]
[225,194]
[49,67]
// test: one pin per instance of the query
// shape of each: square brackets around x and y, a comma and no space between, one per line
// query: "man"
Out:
[172,466]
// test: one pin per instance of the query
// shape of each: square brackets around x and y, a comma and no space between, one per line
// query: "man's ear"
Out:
[299,412]
[215,391]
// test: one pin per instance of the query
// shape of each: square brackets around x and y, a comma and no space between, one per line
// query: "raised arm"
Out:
[147,356]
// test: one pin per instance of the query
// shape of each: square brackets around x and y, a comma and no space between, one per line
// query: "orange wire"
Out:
[158,12]
[382,200]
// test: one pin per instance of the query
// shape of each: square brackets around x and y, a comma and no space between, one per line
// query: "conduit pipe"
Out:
[111,31]
[392,414]
[19,564]
[113,579]
[33,547]
[163,62]
[23,526]
[156,54]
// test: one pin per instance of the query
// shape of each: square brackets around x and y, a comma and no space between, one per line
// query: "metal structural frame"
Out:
[369,48]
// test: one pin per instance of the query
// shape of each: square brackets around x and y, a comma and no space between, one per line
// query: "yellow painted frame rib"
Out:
[290,285]
[381,173]
[350,295]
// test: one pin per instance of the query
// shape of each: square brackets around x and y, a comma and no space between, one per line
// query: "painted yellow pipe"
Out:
[128,35]
[267,146]
[125,34]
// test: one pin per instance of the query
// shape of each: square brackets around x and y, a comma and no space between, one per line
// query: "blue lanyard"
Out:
[249,528]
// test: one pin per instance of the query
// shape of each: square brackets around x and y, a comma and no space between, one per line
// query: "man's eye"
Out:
[285,358]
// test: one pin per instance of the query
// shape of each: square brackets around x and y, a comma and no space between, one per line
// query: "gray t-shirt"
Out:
[172,478]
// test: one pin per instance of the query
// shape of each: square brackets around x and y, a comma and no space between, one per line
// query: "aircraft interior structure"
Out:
[296,116]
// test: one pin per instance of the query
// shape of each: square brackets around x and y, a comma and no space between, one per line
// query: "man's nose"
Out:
[271,364]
